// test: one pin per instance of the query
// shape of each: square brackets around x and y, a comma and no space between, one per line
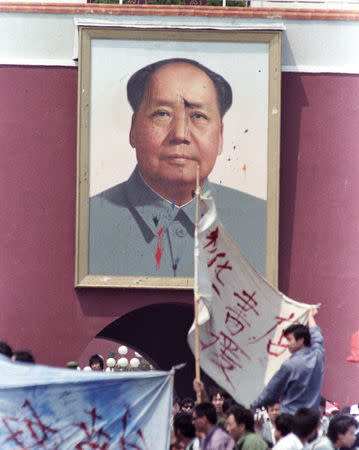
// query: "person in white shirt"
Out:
[283,425]
[305,425]
[268,427]
[341,433]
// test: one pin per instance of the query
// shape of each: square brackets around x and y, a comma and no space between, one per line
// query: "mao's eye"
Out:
[198,116]
[160,113]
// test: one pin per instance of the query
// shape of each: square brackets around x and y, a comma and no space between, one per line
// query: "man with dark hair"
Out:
[96,363]
[268,427]
[185,431]
[341,433]
[187,404]
[283,425]
[217,396]
[23,356]
[240,425]
[204,419]
[298,331]
[299,380]
[145,226]
[227,405]
[305,424]
[5,349]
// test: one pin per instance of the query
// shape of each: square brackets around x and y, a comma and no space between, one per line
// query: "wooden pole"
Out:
[196,293]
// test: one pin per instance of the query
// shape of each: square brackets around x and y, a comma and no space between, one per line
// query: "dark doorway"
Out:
[159,333]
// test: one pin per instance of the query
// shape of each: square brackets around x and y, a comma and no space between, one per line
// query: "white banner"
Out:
[241,316]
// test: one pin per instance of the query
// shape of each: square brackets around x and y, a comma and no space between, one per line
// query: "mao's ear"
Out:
[220,146]
[132,132]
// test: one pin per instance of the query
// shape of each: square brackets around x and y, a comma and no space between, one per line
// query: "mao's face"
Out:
[177,125]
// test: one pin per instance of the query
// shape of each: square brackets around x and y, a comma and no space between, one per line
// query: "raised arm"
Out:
[311,321]
[198,387]
[316,336]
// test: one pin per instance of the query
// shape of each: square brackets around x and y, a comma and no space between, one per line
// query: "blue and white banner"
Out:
[50,408]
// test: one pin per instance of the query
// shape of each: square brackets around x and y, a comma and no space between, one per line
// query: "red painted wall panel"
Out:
[319,222]
[319,215]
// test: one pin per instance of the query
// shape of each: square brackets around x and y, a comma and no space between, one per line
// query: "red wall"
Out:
[319,224]
[319,215]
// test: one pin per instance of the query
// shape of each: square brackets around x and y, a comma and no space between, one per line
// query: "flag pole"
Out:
[196,293]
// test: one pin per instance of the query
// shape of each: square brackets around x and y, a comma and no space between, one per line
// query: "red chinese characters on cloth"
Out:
[241,316]
[32,432]
[29,432]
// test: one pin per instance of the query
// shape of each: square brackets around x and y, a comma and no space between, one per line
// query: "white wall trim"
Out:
[38,62]
[116,22]
[307,45]
[322,69]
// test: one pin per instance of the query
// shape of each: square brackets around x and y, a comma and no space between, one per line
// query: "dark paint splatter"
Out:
[246,131]
[234,147]
[228,159]
[155,220]
[175,263]
[169,214]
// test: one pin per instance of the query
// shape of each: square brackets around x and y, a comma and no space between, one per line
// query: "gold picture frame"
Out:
[102,48]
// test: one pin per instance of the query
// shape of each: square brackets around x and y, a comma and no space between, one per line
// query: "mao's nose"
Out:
[180,128]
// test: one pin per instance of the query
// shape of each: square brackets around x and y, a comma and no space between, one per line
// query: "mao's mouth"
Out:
[179,157]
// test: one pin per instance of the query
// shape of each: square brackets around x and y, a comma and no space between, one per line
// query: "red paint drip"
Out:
[159,249]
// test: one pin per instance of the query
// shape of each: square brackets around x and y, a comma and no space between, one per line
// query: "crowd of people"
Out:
[289,414]
[220,423]
[17,355]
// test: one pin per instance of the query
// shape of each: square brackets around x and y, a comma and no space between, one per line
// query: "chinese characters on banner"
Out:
[241,316]
[60,409]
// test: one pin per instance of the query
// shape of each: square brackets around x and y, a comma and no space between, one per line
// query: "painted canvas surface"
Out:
[158,109]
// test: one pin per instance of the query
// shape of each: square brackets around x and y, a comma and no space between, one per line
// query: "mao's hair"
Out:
[137,84]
